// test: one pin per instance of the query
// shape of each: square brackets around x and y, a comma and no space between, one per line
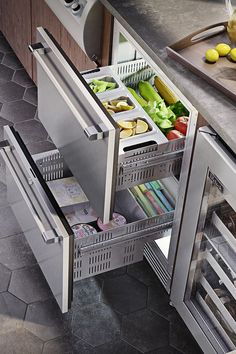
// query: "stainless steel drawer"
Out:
[88,137]
[63,258]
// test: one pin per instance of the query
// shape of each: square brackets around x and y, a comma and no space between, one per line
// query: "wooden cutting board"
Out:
[190,51]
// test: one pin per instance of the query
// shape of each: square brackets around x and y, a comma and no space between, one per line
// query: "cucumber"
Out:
[148,92]
[140,100]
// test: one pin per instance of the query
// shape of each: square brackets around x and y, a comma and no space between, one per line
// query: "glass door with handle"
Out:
[204,283]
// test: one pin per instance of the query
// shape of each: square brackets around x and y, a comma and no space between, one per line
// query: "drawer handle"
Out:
[49,236]
[93,132]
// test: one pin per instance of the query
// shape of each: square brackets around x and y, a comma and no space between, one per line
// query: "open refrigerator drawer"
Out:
[59,231]
[107,139]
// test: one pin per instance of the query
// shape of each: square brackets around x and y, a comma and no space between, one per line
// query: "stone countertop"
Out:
[155,24]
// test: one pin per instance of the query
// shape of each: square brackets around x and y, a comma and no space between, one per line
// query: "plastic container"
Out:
[83,230]
[118,220]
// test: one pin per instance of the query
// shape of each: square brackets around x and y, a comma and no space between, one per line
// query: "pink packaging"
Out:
[118,220]
[82,230]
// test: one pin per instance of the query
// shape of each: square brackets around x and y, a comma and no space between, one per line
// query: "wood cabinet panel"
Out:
[74,52]
[16,26]
[107,37]
[42,16]
[19,23]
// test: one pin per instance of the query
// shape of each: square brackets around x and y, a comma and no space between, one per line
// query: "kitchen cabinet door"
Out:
[74,52]
[16,27]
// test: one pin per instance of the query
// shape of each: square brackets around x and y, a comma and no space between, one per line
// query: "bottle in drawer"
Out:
[152,198]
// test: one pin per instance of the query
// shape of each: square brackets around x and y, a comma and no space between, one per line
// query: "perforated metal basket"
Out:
[110,249]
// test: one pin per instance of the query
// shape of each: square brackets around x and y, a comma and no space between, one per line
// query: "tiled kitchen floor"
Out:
[121,312]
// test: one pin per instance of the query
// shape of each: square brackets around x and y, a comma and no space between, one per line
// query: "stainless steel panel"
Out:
[40,218]
[214,169]
[73,115]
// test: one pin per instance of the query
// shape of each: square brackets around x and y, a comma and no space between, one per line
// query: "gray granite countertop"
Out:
[155,24]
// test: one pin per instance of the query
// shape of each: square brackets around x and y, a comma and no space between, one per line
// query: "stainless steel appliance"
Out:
[83,19]
[204,281]
[87,138]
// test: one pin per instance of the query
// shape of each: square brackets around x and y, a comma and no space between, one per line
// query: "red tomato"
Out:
[174,134]
[181,124]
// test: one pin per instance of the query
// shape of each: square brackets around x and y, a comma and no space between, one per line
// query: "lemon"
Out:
[141,126]
[223,49]
[126,133]
[126,125]
[233,54]
[211,55]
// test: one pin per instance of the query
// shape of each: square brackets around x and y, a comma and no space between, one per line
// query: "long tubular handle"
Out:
[39,52]
[49,236]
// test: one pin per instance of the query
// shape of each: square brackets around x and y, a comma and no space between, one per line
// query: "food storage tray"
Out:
[155,134]
[190,52]
[103,73]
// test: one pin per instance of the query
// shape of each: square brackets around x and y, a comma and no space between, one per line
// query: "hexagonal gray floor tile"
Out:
[8,222]
[31,95]
[15,252]
[124,294]
[87,291]
[96,324]
[29,285]
[20,342]
[145,330]
[4,45]
[5,74]
[42,146]
[180,337]
[10,91]
[116,347]
[5,276]
[3,192]
[22,78]
[142,272]
[45,320]
[158,300]
[18,111]
[31,131]
[165,350]
[11,60]
[12,312]
[67,345]
[4,121]
[113,273]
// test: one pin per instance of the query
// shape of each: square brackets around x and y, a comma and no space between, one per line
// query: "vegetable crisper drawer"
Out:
[62,257]
[87,136]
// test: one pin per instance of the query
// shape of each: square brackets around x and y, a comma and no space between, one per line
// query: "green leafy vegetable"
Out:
[179,109]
